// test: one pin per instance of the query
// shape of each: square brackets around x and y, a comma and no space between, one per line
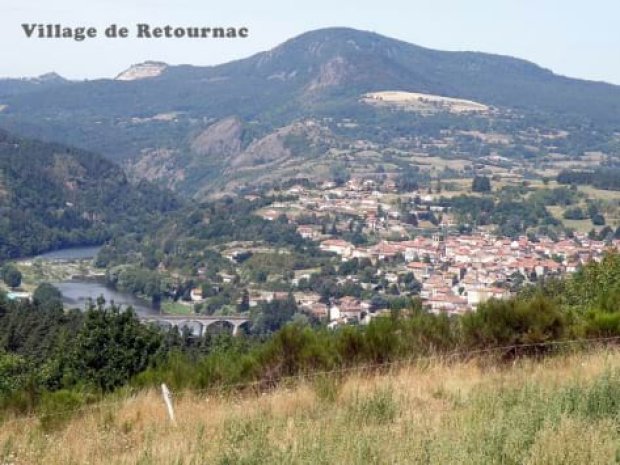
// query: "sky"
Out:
[575,38]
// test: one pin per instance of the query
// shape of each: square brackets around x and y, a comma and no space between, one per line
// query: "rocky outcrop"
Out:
[145,70]
[222,138]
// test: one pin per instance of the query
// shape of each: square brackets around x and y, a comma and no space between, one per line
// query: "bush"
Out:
[58,407]
[112,346]
[46,295]
[598,220]
[11,276]
[427,333]
[481,184]
[513,322]
[382,343]
[602,324]
[574,213]
[295,350]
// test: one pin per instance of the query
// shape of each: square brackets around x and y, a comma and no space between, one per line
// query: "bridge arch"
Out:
[198,325]
[219,327]
[243,324]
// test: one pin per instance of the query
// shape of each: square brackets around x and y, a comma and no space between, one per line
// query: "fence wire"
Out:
[309,376]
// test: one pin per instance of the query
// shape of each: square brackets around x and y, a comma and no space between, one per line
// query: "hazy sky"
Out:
[572,37]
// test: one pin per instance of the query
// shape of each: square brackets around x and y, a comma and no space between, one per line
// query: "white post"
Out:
[168,400]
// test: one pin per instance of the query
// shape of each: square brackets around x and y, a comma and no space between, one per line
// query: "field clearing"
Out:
[582,226]
[558,410]
[423,102]
[176,308]
[463,186]
[437,162]
[601,194]
[35,272]
[466,185]
[306,271]
[539,184]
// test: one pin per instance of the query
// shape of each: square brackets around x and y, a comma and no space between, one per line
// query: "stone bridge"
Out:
[197,324]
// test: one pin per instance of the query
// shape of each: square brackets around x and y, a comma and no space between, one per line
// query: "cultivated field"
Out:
[423,102]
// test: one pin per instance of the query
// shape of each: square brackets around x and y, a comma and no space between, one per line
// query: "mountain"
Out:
[53,196]
[46,81]
[344,61]
[152,117]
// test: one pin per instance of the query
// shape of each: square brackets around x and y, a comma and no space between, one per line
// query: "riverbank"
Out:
[80,281]
[37,271]
[72,271]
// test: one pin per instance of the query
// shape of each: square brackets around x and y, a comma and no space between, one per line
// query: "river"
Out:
[77,292]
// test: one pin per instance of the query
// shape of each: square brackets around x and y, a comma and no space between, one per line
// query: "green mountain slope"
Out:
[53,196]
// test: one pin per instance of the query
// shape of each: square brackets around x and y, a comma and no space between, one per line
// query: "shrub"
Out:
[112,346]
[11,276]
[294,350]
[513,322]
[602,324]
[58,407]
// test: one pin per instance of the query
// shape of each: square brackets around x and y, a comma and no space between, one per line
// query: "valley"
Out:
[257,234]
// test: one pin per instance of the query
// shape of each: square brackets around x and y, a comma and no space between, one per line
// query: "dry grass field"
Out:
[560,410]
[424,102]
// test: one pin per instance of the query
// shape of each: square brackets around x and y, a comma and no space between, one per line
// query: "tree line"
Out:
[46,351]
[607,178]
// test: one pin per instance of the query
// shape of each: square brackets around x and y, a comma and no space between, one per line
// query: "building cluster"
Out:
[457,272]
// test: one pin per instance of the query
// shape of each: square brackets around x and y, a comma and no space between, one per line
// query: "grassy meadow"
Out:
[563,409]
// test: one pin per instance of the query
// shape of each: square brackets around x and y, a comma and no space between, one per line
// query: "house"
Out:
[317,310]
[384,251]
[420,270]
[236,255]
[389,185]
[478,295]
[227,278]
[196,294]
[270,215]
[350,307]
[305,299]
[308,232]
[447,303]
[338,246]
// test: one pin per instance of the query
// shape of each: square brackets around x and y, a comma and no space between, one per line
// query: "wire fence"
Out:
[224,389]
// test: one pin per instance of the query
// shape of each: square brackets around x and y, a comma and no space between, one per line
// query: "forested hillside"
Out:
[52,196]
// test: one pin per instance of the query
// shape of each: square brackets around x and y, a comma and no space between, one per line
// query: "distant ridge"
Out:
[335,62]
[154,118]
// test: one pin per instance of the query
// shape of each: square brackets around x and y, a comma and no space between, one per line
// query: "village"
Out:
[455,271]
[381,246]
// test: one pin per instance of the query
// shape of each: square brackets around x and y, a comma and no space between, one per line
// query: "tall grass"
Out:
[560,410]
